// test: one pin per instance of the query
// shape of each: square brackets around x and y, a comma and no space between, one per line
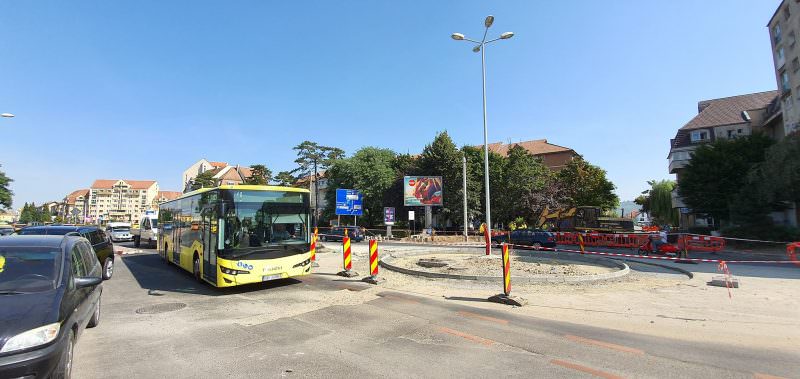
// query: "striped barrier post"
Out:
[347,258]
[580,241]
[506,272]
[488,240]
[505,297]
[791,251]
[373,264]
[313,249]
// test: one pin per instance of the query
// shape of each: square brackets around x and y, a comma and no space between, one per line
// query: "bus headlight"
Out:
[231,271]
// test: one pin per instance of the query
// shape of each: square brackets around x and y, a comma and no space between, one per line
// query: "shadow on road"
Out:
[154,275]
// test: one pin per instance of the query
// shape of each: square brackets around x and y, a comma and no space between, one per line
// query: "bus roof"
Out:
[242,187]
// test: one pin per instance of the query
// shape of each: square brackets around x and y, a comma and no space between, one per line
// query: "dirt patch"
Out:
[466,264]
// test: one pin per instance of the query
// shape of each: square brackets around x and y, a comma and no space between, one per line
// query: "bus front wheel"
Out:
[196,268]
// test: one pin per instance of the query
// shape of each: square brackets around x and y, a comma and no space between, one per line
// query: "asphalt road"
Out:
[327,326]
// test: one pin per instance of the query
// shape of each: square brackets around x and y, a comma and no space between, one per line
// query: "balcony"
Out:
[679,160]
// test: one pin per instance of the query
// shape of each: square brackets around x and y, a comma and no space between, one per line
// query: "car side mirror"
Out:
[87,281]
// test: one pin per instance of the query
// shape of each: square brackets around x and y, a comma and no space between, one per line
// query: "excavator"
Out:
[583,219]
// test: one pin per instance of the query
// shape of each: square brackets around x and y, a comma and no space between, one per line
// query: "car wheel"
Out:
[135,241]
[323,239]
[108,268]
[537,246]
[196,268]
[64,370]
[95,320]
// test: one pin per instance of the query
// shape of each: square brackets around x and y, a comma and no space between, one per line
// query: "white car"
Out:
[119,231]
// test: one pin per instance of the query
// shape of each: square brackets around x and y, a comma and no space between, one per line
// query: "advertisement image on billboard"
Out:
[349,202]
[419,191]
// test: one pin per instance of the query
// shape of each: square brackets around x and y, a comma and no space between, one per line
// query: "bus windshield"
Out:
[263,221]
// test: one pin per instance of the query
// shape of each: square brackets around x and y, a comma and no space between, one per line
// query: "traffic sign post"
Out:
[388,220]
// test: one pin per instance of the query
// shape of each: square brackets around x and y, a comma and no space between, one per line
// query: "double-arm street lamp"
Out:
[481,47]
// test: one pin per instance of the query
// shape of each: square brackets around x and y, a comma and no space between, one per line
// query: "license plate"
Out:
[271,277]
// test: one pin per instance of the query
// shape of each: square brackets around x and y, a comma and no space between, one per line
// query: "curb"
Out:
[624,270]
[678,269]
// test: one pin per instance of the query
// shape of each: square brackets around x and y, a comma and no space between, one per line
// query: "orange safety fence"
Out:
[792,250]
[634,240]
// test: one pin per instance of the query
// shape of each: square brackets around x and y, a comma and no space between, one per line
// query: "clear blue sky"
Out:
[142,89]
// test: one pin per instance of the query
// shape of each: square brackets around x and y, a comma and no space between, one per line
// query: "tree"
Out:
[524,177]
[586,185]
[25,215]
[260,175]
[657,202]
[311,156]
[713,178]
[442,158]
[205,179]
[780,172]
[371,171]
[285,178]
[5,192]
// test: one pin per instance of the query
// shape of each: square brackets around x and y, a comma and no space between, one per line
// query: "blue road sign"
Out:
[349,202]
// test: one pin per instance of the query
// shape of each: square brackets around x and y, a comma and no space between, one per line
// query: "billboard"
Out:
[388,215]
[349,202]
[420,191]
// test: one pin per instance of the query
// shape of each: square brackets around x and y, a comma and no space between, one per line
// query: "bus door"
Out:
[209,235]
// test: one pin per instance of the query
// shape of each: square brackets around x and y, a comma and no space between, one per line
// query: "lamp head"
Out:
[457,36]
[506,35]
[489,20]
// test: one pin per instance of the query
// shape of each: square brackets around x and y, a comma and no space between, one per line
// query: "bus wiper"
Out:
[245,253]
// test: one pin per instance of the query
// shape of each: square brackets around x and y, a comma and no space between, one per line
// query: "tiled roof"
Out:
[535,147]
[218,164]
[72,197]
[109,183]
[728,110]
[169,195]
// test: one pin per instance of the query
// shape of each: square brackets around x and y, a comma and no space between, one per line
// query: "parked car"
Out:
[6,230]
[529,237]
[119,231]
[336,233]
[97,237]
[50,290]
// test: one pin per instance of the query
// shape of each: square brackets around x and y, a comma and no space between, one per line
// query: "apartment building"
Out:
[120,200]
[75,206]
[164,196]
[553,156]
[224,174]
[784,27]
[716,119]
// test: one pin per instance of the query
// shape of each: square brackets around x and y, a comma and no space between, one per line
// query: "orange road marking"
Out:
[482,317]
[605,344]
[470,337]
[766,376]
[588,370]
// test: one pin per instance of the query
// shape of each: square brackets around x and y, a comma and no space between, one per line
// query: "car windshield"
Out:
[28,269]
[261,220]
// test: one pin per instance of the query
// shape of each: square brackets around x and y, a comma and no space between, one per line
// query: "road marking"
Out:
[588,370]
[605,344]
[766,376]
[482,317]
[470,337]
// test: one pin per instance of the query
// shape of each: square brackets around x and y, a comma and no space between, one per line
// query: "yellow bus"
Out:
[237,234]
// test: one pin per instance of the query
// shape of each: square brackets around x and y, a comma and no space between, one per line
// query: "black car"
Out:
[50,289]
[97,237]
[336,233]
[529,237]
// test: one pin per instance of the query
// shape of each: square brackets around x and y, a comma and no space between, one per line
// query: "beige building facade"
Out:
[120,200]
[784,29]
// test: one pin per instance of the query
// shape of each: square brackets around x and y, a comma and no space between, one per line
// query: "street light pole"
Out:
[464,174]
[481,46]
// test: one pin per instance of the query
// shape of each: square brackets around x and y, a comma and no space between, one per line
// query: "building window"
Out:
[786,13]
[781,57]
[795,64]
[776,33]
[699,135]
[785,82]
